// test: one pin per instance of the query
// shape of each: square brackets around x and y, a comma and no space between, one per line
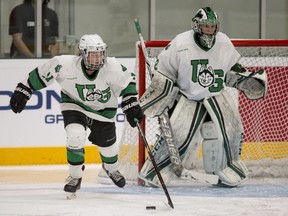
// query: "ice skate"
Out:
[116,177]
[73,184]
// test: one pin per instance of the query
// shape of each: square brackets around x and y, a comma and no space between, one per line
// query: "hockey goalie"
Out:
[190,82]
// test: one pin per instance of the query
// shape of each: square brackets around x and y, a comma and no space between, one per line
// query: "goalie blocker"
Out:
[222,137]
[159,96]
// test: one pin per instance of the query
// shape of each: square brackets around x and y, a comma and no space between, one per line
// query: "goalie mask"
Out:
[206,25]
[93,51]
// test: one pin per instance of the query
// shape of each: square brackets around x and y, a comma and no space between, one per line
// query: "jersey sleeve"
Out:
[122,81]
[167,61]
[44,75]
[235,56]
[130,90]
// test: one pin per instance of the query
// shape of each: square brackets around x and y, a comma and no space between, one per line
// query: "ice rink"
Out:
[38,190]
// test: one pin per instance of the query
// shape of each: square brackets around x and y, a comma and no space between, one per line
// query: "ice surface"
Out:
[38,191]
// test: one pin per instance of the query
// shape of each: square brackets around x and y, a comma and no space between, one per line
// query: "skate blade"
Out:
[71,196]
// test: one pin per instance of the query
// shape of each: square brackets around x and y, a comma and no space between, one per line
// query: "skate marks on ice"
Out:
[95,199]
[25,193]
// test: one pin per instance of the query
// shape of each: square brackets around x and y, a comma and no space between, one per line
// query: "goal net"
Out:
[265,121]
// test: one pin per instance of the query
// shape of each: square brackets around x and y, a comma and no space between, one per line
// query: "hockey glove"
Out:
[20,97]
[132,110]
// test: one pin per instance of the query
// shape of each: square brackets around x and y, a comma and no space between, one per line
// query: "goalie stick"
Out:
[154,165]
[166,128]
[163,118]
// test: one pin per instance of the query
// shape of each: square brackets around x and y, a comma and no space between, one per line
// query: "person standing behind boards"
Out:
[22,29]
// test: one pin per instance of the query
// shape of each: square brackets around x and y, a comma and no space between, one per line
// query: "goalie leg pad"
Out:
[149,176]
[213,152]
[159,95]
[230,175]
[190,161]
[223,140]
[213,156]
[228,126]
[186,120]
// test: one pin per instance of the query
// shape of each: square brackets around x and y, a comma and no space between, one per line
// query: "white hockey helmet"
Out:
[93,51]
[206,25]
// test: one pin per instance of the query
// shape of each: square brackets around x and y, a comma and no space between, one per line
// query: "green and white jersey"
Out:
[96,96]
[199,73]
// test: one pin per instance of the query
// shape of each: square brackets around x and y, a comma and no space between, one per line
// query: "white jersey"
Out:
[198,73]
[95,96]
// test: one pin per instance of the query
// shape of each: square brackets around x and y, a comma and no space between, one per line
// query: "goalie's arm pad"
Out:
[158,96]
[253,84]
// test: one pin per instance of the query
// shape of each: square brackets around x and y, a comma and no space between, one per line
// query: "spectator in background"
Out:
[22,29]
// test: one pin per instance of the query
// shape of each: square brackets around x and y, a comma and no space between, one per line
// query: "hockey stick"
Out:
[166,128]
[164,118]
[174,155]
[155,165]
[147,59]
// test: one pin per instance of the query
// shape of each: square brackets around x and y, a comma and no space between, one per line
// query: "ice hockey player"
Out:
[90,84]
[201,63]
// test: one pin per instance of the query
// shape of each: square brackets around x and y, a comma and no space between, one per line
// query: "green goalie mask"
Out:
[206,25]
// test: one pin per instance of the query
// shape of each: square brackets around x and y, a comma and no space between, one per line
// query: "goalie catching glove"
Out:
[132,110]
[254,85]
[20,97]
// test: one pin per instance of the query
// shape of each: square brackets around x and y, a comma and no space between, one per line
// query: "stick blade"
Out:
[171,204]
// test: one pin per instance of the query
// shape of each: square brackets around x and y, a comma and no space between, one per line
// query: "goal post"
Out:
[265,121]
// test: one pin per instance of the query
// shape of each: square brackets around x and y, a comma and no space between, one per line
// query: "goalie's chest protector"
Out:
[200,73]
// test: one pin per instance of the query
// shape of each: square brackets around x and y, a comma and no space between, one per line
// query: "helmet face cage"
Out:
[93,51]
[205,17]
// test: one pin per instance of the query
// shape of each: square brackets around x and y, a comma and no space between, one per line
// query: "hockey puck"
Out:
[150,207]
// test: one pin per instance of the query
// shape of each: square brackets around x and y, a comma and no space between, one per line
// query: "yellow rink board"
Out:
[43,155]
[57,155]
